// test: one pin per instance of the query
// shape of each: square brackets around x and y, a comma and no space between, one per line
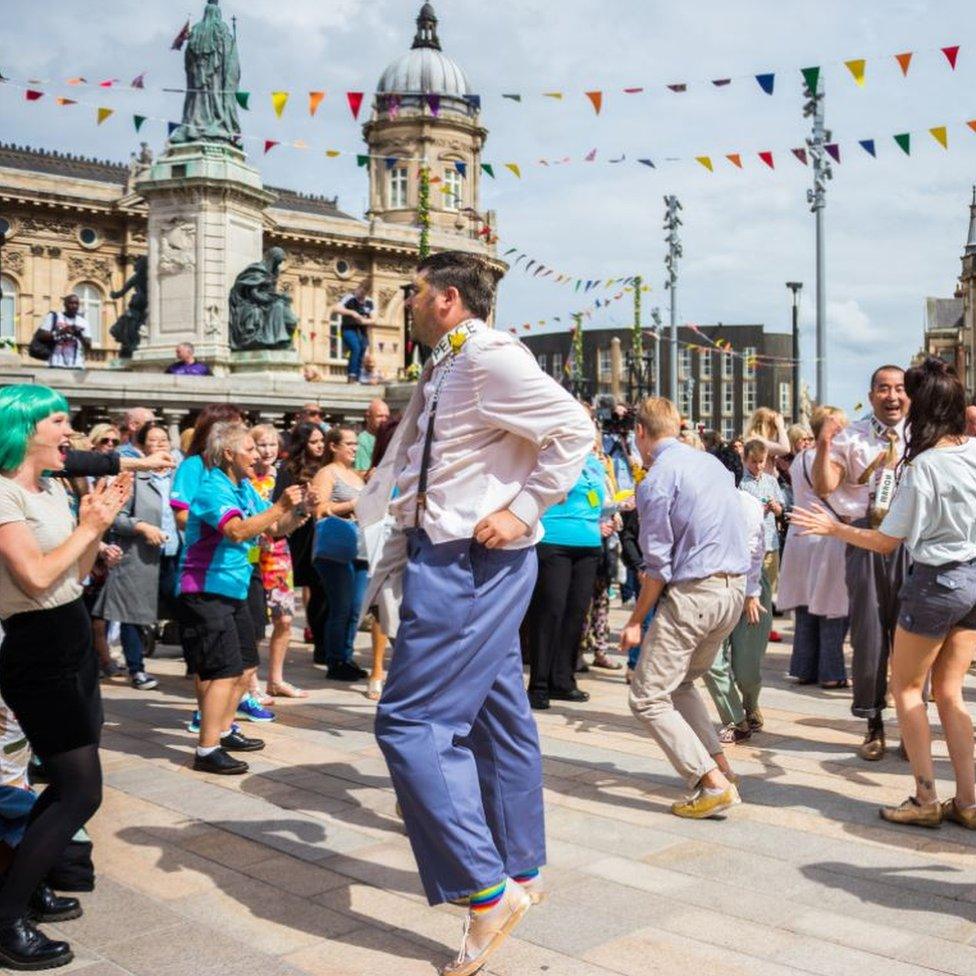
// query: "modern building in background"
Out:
[718,389]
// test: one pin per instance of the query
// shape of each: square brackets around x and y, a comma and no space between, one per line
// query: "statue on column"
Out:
[213,74]
[261,317]
[127,331]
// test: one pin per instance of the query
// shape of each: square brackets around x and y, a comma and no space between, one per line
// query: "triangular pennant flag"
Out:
[514,98]
[706,161]
[32,95]
[139,81]
[171,127]
[108,83]
[678,88]
[269,144]
[904,140]
[390,161]
[904,60]
[619,159]
[137,121]
[951,54]
[362,160]
[972,124]
[514,168]
[180,38]
[332,153]
[103,114]
[868,146]
[590,156]
[834,150]
[77,81]
[557,95]
[632,91]
[355,100]
[596,98]
[801,154]
[940,135]
[811,78]
[735,159]
[242,98]
[474,102]
[434,104]
[766,82]
[65,101]
[314,101]
[767,158]
[487,168]
[299,144]
[647,162]
[279,99]
[856,68]
[462,168]
[721,82]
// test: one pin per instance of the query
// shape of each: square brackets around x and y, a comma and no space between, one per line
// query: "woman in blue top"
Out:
[215,573]
[568,559]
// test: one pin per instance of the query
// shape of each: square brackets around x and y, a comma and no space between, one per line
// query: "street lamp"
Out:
[795,286]
[671,224]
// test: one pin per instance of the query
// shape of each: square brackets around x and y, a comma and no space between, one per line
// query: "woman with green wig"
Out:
[48,667]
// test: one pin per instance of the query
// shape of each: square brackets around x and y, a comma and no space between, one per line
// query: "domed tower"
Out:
[424,111]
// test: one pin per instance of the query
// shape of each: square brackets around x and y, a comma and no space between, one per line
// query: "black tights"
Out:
[69,801]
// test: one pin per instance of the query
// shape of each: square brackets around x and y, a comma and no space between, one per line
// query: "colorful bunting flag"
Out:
[767,158]
[678,88]
[514,168]
[299,144]
[811,78]
[32,95]
[314,101]
[355,100]
[904,140]
[940,135]
[137,121]
[487,168]
[65,101]
[171,127]
[706,161]
[279,99]
[647,162]
[77,81]
[180,38]
[434,104]
[721,82]
[868,146]
[632,91]
[332,153]
[590,156]
[362,160]
[951,54]
[619,159]
[390,161]
[735,159]
[462,168]
[766,82]
[834,150]
[103,114]
[242,99]
[474,102]
[139,81]
[108,83]
[856,68]
[904,60]
[269,144]
[972,124]
[556,95]
[596,98]
[514,98]
[801,154]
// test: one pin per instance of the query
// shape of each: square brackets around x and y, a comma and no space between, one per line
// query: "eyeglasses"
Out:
[109,440]
[313,413]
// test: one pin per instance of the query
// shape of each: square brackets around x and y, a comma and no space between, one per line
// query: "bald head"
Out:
[377,413]
[133,420]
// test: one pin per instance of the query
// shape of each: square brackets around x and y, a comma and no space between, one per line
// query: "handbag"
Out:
[42,341]
[336,540]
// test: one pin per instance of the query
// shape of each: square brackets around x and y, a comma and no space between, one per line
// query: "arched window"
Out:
[90,299]
[8,308]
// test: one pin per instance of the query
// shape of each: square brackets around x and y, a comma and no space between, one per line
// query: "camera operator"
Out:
[70,335]
[616,421]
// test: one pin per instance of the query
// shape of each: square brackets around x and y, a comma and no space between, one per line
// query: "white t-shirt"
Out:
[69,350]
[933,507]
[48,516]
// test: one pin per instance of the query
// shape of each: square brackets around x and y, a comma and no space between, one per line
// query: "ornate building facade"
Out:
[71,224]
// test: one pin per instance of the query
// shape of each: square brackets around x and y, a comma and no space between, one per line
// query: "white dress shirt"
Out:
[855,449]
[753,514]
[506,436]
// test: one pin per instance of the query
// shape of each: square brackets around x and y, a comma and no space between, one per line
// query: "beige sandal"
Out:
[285,690]
[374,690]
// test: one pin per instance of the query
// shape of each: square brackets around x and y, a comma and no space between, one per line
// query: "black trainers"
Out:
[345,671]
[236,741]
[23,947]
[46,906]
[219,762]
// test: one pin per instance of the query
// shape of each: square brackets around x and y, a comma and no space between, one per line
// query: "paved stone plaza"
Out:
[303,867]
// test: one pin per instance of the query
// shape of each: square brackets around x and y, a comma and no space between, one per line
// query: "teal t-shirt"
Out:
[576,521]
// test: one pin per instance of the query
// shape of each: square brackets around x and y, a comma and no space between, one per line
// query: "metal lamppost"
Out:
[656,319]
[817,198]
[671,224]
[795,286]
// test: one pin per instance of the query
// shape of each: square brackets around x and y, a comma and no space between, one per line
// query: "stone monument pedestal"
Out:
[205,226]
[281,362]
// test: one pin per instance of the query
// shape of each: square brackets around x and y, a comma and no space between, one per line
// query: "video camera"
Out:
[613,417]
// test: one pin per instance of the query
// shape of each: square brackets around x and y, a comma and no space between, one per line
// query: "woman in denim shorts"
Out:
[932,513]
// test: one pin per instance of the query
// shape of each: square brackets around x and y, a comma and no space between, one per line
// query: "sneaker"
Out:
[251,710]
[485,934]
[964,816]
[219,762]
[194,724]
[143,681]
[914,813]
[702,804]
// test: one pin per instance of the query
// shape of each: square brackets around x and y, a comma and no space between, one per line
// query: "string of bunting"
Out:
[586,313]
[856,68]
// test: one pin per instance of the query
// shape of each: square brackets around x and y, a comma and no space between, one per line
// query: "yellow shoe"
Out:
[484,935]
[964,816]
[914,813]
[702,805]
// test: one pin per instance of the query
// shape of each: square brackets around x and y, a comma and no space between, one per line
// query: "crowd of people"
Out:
[483,535]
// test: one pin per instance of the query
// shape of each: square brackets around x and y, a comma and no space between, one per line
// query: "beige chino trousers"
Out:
[691,622]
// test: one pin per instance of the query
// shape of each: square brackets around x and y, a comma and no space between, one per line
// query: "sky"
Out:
[895,225]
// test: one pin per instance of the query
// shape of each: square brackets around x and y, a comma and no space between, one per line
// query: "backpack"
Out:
[42,342]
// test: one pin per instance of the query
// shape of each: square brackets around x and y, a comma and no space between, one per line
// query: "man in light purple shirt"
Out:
[696,557]
[186,363]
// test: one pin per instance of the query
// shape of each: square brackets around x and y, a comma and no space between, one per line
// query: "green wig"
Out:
[21,408]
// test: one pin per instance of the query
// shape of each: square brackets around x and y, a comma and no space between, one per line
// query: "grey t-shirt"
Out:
[933,507]
[48,517]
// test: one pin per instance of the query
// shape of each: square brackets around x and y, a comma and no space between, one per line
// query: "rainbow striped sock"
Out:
[527,877]
[486,899]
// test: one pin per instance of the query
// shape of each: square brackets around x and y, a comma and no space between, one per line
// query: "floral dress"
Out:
[275,561]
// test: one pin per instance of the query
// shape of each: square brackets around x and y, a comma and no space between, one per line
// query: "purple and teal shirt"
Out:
[212,563]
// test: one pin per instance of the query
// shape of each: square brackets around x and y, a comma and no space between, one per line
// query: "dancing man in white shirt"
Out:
[487,443]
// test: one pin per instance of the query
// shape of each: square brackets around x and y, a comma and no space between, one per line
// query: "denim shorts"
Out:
[935,599]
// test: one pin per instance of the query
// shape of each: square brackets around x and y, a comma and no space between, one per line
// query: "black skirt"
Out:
[49,678]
